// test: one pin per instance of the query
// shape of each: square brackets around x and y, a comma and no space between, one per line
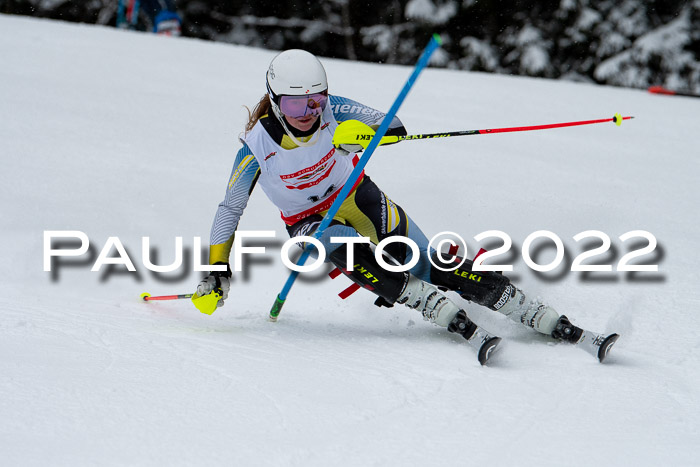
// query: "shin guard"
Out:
[483,287]
[495,291]
[367,273]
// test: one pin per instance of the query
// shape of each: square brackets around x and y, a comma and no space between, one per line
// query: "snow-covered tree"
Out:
[621,42]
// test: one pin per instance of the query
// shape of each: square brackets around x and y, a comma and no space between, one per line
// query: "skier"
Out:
[288,150]
[162,15]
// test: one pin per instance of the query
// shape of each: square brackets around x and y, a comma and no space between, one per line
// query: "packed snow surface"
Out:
[129,135]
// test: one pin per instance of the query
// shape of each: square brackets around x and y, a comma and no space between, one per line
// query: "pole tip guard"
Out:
[144,296]
[207,304]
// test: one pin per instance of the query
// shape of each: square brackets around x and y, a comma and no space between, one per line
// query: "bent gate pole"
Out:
[434,43]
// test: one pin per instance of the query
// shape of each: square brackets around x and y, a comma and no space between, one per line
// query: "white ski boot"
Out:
[533,314]
[437,308]
[543,318]
[597,345]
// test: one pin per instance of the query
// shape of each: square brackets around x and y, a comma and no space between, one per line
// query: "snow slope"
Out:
[127,135]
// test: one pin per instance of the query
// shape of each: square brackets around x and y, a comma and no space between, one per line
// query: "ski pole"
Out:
[147,297]
[206,304]
[356,132]
[434,43]
[668,92]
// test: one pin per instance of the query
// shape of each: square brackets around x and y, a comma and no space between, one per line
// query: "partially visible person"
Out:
[162,15]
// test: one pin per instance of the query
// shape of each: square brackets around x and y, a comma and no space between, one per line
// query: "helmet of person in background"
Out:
[297,85]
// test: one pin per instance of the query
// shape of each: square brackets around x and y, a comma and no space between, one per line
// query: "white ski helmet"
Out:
[294,72]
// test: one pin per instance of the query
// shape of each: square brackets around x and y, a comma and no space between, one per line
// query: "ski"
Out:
[477,337]
[486,347]
[597,345]
[484,343]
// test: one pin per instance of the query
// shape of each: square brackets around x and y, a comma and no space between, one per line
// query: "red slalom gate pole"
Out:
[668,92]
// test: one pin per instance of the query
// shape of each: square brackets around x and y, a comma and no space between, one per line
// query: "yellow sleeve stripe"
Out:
[220,252]
[240,169]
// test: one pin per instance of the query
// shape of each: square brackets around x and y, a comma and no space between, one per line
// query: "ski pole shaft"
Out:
[356,132]
[616,119]
[434,43]
[147,297]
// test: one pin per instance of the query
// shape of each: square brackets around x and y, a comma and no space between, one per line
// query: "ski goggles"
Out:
[302,106]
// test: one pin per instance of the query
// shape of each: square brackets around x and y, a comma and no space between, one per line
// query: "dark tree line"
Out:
[635,43]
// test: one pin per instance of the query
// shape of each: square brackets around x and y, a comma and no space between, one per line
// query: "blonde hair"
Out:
[260,109]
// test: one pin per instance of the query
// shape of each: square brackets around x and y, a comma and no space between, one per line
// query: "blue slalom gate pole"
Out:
[121,14]
[434,43]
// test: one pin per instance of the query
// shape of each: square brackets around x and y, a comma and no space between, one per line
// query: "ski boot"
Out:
[477,337]
[439,309]
[597,345]
[544,319]
[406,289]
